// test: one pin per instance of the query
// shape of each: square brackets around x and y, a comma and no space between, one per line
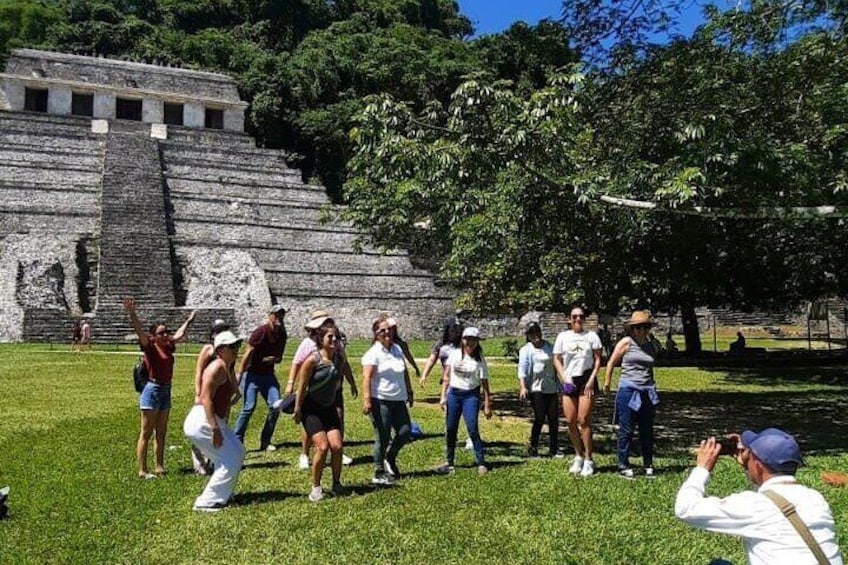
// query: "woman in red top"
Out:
[207,429]
[158,347]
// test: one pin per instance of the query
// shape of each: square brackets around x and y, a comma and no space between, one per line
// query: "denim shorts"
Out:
[155,397]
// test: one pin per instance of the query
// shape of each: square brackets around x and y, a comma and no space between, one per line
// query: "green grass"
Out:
[69,423]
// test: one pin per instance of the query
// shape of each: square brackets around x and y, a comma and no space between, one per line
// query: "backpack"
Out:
[140,374]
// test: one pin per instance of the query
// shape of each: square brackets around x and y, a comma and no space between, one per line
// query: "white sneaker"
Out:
[588,468]
[469,445]
[270,447]
[303,462]
[316,494]
[346,460]
[649,473]
[576,465]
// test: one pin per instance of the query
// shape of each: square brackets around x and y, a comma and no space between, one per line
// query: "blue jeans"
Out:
[385,415]
[465,403]
[253,384]
[155,397]
[627,417]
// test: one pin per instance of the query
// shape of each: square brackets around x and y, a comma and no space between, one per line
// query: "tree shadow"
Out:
[775,376]
[261,497]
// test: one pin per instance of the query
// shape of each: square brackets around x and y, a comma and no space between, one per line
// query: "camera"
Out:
[728,446]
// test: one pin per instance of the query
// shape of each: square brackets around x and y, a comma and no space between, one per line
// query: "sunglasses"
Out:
[642,327]
[163,332]
[383,331]
[578,316]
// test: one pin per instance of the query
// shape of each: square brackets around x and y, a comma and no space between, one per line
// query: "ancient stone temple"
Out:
[121,178]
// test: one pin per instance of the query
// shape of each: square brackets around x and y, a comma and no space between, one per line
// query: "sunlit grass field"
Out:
[68,424]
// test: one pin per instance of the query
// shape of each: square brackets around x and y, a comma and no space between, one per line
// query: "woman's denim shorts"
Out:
[155,397]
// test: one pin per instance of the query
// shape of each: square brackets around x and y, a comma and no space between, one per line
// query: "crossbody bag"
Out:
[788,510]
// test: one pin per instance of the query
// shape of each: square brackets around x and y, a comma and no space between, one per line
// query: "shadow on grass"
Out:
[261,497]
[266,465]
[817,418]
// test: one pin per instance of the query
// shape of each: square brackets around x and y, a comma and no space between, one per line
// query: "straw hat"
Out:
[317,319]
[640,318]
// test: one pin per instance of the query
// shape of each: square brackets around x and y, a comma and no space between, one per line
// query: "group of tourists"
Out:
[569,370]
[780,522]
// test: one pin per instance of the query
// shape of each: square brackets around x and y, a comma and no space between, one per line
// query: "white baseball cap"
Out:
[471,332]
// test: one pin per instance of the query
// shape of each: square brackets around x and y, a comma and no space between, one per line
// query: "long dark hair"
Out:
[446,334]
[477,354]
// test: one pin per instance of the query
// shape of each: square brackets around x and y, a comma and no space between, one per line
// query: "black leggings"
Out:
[545,406]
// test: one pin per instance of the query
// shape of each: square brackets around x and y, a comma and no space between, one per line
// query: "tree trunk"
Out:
[691,333]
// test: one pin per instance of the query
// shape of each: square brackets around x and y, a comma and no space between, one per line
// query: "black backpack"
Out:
[140,374]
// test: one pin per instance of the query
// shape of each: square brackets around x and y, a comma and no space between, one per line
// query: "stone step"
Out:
[294,191]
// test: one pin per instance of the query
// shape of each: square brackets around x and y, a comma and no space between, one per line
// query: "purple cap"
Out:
[775,448]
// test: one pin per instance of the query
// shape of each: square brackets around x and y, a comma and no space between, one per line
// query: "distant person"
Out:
[201,464]
[85,335]
[315,407]
[206,424]
[307,347]
[738,346]
[636,400]
[770,520]
[386,392]
[537,379]
[577,361]
[76,335]
[450,340]
[403,346]
[256,374]
[467,375]
[606,340]
[158,346]
[670,345]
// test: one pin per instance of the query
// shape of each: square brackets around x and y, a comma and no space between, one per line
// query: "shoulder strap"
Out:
[788,510]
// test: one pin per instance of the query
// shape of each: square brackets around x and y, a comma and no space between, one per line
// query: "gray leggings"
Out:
[385,415]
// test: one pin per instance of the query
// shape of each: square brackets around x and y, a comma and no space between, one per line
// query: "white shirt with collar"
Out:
[767,535]
[388,382]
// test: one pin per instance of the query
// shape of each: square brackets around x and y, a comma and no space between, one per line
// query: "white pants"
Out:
[227,458]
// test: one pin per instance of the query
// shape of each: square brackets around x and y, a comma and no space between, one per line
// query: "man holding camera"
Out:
[795,526]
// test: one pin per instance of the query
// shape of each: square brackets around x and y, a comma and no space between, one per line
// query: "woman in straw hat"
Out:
[636,400]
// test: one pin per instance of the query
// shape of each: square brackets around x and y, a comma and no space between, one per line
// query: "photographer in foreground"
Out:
[764,521]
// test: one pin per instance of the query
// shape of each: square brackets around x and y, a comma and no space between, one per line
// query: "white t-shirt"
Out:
[388,382]
[535,368]
[577,350]
[466,372]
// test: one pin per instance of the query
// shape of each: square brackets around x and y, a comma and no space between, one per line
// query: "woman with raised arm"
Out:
[577,360]
[318,383]
[636,400]
[158,346]
[206,425]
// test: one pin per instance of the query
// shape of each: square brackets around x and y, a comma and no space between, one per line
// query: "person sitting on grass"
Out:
[158,347]
[466,375]
[315,407]
[207,429]
[781,521]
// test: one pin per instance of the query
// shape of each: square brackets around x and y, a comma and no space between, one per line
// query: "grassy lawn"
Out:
[69,423]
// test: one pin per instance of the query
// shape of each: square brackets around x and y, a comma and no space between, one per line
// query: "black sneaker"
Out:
[391,467]
[532,452]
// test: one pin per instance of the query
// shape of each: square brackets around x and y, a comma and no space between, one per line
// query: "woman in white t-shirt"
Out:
[577,360]
[386,391]
[537,379]
[466,375]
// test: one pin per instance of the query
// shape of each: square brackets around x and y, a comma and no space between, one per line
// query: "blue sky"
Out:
[492,16]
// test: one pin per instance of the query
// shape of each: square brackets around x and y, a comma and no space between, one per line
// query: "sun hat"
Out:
[317,319]
[226,338]
[775,448]
[471,332]
[640,318]
[277,309]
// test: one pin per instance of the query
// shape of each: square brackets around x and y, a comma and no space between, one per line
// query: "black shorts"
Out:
[580,384]
[339,399]
[317,418]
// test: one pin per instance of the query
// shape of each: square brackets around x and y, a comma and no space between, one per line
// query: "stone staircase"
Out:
[135,251]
